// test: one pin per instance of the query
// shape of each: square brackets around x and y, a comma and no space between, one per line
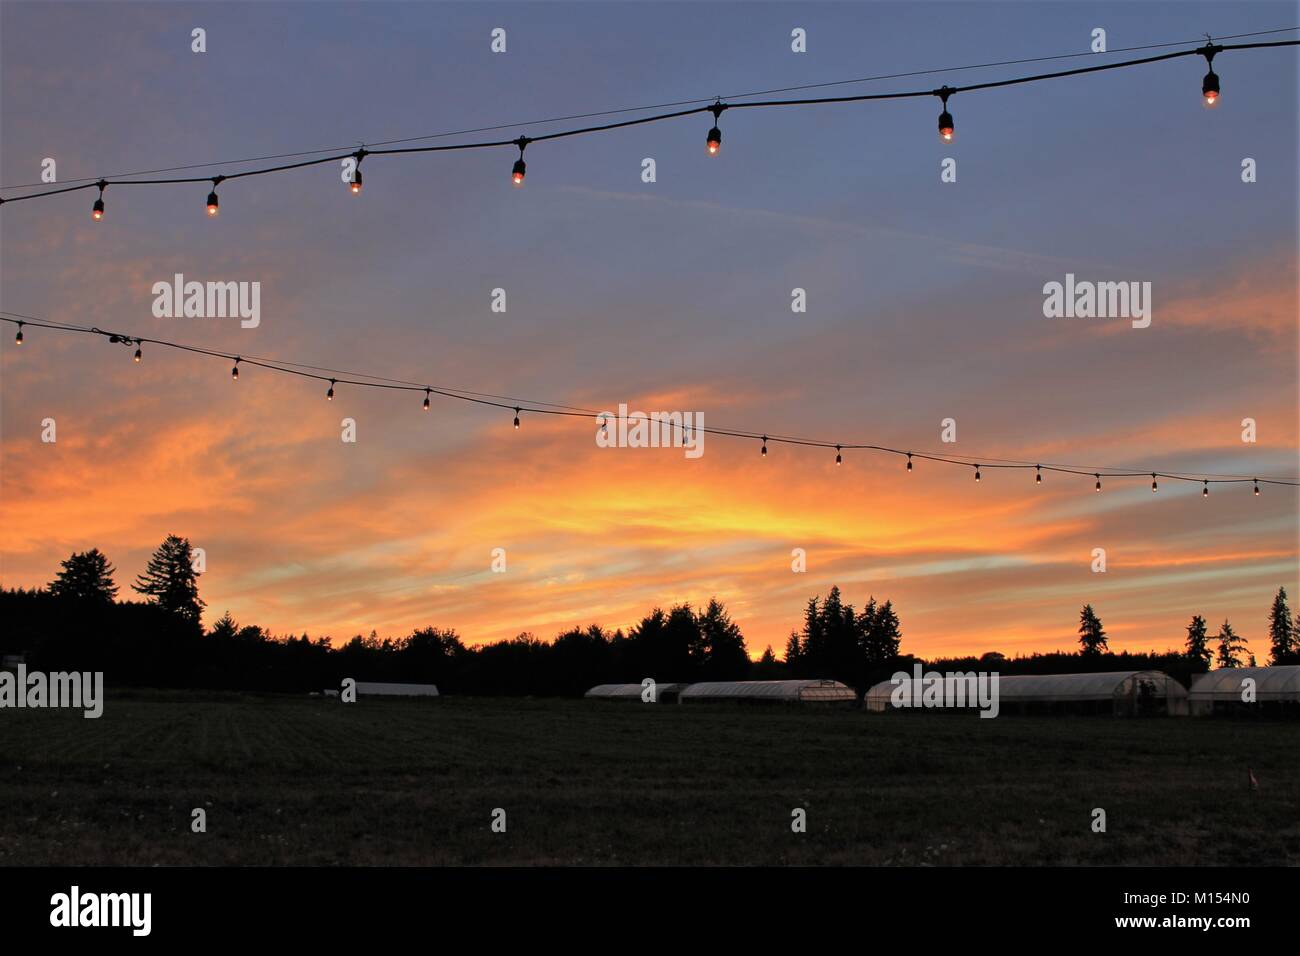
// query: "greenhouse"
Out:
[1123,693]
[664,693]
[1273,689]
[774,691]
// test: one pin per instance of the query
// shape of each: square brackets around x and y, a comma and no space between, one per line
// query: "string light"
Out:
[139,354]
[97,210]
[520,167]
[366,380]
[945,118]
[1153,483]
[1210,85]
[1038,474]
[1210,92]
[355,185]
[977,472]
[214,204]
[234,369]
[838,459]
[426,399]
[1205,491]
[714,141]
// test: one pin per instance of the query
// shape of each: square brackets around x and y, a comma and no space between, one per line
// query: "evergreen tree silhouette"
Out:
[1230,645]
[86,576]
[170,580]
[1198,643]
[1092,636]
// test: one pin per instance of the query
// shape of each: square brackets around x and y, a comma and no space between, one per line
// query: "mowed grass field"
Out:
[288,780]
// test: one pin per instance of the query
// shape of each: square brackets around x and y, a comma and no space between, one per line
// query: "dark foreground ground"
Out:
[311,781]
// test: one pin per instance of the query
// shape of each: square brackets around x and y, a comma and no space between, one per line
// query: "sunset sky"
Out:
[924,302]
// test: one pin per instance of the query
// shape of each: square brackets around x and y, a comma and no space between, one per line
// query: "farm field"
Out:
[288,780]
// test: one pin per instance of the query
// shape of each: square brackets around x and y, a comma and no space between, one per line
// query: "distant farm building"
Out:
[1123,693]
[378,689]
[1274,690]
[774,691]
[664,693]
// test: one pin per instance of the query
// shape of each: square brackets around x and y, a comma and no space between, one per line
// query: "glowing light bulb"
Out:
[1256,486]
[838,459]
[714,142]
[97,210]
[1153,484]
[764,446]
[946,126]
[909,461]
[1210,88]
[1098,487]
[1038,474]
[977,472]
[426,399]
[517,174]
[139,354]
[234,369]
[18,340]
[329,396]
[1205,490]
[355,185]
[516,419]
[214,204]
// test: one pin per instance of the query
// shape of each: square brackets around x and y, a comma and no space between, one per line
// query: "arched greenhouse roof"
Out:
[1271,683]
[801,690]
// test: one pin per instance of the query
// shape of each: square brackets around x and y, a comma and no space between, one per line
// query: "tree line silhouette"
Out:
[78,623]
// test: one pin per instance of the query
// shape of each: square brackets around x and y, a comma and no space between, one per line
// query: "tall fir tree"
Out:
[171,581]
[1230,645]
[794,655]
[86,576]
[725,654]
[1198,643]
[1092,636]
[1281,636]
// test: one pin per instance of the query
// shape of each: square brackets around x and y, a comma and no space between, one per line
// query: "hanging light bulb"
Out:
[329,396]
[1210,88]
[1038,474]
[1205,489]
[234,369]
[764,446]
[977,472]
[909,461]
[714,141]
[426,399]
[516,419]
[946,125]
[97,210]
[1153,483]
[1098,487]
[139,353]
[520,167]
[214,204]
[1256,486]
[18,340]
[838,459]
[1210,85]
[355,185]
[604,427]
